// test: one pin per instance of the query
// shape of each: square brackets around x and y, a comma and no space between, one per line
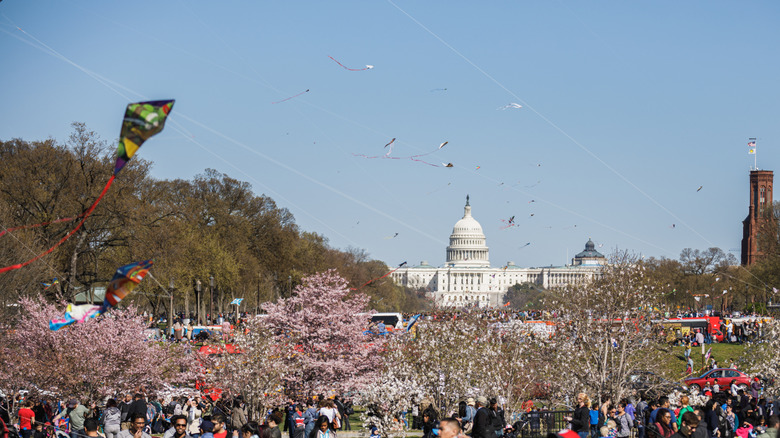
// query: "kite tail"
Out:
[24,227]
[374,279]
[67,236]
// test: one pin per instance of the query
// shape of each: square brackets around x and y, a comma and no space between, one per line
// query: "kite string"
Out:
[67,236]
[374,279]
[24,227]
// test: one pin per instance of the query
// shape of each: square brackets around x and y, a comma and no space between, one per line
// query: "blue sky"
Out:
[628,108]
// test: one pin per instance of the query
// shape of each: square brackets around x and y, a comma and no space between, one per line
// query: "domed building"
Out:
[467,242]
[467,279]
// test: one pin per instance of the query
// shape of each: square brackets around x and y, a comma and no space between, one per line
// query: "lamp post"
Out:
[170,307]
[211,297]
[197,299]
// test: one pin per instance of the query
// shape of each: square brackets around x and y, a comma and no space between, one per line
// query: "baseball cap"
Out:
[72,403]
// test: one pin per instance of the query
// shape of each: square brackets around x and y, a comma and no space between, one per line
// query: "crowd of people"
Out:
[139,416]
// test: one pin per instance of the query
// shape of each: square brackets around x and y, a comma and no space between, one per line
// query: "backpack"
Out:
[652,431]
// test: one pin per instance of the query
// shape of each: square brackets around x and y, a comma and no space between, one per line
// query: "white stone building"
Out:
[467,279]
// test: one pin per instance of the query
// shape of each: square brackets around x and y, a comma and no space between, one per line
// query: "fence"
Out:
[537,424]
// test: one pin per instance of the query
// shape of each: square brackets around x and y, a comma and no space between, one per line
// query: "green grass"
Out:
[674,367]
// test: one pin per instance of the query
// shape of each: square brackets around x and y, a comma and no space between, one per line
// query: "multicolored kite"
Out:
[125,280]
[142,120]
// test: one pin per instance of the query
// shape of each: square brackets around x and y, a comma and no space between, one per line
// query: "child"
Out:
[374,432]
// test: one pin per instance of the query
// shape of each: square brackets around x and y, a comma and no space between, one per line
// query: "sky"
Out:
[627,108]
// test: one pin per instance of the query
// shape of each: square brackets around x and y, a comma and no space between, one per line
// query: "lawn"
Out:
[674,367]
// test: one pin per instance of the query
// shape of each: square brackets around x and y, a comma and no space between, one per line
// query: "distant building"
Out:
[467,279]
[760,199]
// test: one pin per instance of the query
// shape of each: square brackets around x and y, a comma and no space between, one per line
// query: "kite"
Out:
[531,201]
[673,226]
[392,237]
[291,97]
[510,106]
[410,157]
[142,120]
[527,244]
[125,280]
[367,67]
[48,285]
[508,223]
[438,89]
[699,189]
[237,301]
[477,167]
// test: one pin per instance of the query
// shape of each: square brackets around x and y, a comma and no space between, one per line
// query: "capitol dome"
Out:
[467,242]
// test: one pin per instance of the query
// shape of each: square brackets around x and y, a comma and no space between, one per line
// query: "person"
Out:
[26,419]
[715,387]
[482,426]
[124,408]
[112,419]
[684,407]
[90,428]
[664,422]
[701,429]
[178,428]
[309,418]
[298,422]
[328,409]
[663,403]
[220,428]
[136,430]
[449,428]
[744,430]
[688,423]
[206,429]
[580,419]
[755,387]
[700,341]
[733,388]
[771,430]
[138,406]
[249,430]
[322,429]
[178,330]
[37,430]
[77,413]
[594,420]
[623,421]
[428,425]
[238,417]
[374,432]
[274,420]
[497,418]
[193,414]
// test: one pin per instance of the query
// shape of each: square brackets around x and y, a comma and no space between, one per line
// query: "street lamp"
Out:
[211,298]
[170,308]
[197,299]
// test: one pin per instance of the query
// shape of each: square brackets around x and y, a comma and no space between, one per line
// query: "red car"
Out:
[724,376]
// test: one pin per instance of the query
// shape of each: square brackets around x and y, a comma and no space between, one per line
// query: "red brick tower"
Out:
[760,199]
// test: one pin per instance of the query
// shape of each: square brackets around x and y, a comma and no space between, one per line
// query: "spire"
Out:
[467,201]
[467,208]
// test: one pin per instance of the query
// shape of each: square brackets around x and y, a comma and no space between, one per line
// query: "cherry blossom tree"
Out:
[604,332]
[89,360]
[761,357]
[319,336]
[256,370]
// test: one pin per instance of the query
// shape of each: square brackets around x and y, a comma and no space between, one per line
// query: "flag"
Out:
[707,356]
[507,303]
[697,298]
[237,301]
[752,146]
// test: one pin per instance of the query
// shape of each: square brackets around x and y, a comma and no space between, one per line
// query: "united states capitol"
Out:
[467,279]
